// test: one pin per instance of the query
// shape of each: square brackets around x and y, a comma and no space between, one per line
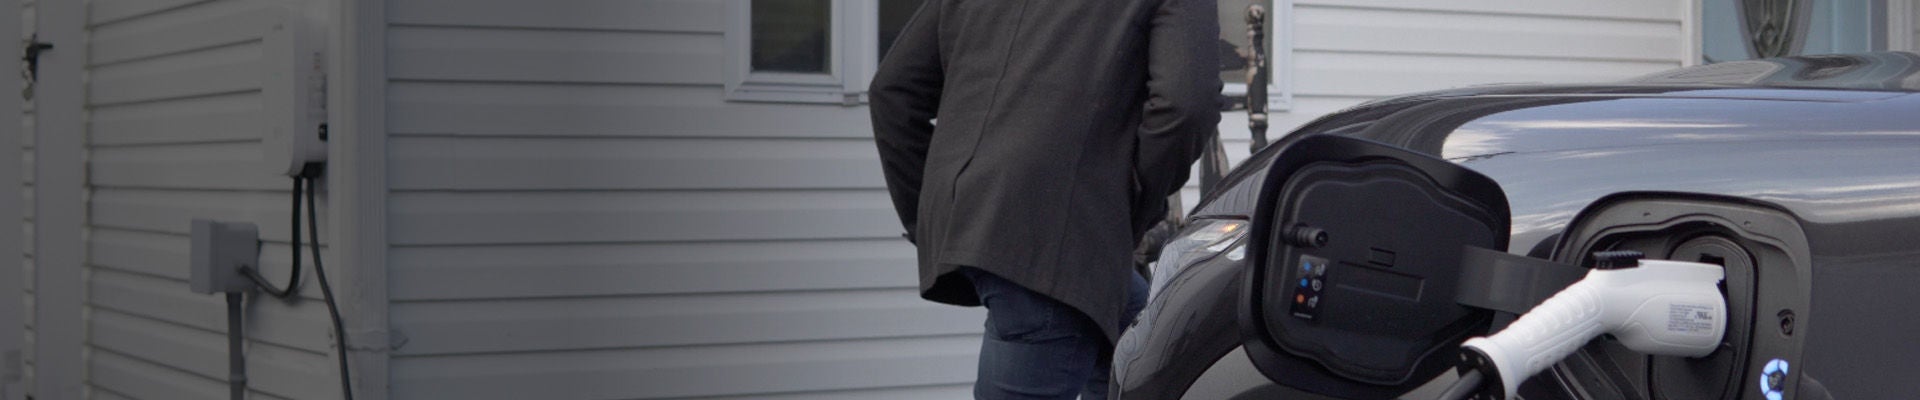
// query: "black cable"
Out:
[326,290]
[1468,384]
[293,280]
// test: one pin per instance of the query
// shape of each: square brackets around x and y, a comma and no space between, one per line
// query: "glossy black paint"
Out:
[1833,140]
[1182,330]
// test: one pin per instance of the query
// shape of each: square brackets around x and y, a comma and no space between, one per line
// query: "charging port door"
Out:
[1356,249]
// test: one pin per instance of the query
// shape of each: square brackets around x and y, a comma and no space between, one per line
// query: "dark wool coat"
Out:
[1062,126]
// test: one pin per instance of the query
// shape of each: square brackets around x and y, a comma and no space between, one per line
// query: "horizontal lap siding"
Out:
[568,178]
[823,369]
[175,121]
[1346,52]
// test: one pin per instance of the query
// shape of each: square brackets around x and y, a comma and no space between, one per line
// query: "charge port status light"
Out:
[1306,297]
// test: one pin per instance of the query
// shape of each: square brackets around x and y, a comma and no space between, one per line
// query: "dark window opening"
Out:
[791,35]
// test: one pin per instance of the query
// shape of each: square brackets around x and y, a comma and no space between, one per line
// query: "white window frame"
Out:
[852,36]
[1279,59]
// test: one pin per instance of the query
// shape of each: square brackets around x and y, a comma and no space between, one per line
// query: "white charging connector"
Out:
[1655,307]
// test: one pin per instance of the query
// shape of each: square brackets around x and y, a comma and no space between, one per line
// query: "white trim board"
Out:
[13,335]
[357,189]
[1900,25]
[60,210]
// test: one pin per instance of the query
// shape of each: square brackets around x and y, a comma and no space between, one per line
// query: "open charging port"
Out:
[1762,251]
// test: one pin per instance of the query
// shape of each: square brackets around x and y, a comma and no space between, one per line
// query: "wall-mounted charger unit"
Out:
[294,93]
[220,250]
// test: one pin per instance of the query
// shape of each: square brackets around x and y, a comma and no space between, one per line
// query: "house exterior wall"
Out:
[174,101]
[577,211]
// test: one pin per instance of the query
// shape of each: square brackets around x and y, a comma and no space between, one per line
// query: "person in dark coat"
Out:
[1027,146]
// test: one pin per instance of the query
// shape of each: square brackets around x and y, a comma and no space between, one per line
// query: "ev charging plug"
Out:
[1655,307]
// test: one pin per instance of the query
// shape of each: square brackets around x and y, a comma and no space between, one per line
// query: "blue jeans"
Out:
[1036,347]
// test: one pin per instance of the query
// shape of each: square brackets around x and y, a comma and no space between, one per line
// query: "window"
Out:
[791,35]
[1235,46]
[1810,27]
[809,51]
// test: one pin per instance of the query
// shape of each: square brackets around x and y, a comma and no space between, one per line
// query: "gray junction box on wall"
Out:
[220,250]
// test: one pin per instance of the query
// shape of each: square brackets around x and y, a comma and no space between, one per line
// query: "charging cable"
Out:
[1654,307]
[304,188]
[293,277]
[326,291]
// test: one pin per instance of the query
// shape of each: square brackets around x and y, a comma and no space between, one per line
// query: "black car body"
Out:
[1802,173]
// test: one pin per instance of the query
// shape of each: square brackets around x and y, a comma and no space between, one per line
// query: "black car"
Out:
[1799,175]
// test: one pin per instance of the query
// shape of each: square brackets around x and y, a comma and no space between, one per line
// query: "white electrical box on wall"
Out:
[220,250]
[293,89]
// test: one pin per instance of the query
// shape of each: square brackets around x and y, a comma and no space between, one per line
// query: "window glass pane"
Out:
[894,15]
[791,35]
[1832,27]
[1841,27]
[1914,22]
[1720,37]
[1233,39]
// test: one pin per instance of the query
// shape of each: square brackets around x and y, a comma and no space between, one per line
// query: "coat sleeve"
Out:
[903,98]
[1182,104]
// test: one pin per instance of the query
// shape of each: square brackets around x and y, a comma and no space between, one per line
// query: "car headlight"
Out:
[1200,241]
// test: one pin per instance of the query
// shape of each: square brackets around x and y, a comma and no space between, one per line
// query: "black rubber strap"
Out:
[1499,281]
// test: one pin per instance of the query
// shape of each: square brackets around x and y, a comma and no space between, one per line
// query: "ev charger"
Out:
[294,93]
[220,250]
[1656,307]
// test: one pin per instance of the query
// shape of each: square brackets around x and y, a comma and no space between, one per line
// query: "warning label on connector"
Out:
[1690,318]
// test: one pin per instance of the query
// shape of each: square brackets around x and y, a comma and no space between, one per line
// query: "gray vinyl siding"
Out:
[1346,52]
[577,212]
[174,101]
[1350,51]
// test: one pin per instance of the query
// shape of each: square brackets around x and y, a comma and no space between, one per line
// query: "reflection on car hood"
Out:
[1801,138]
